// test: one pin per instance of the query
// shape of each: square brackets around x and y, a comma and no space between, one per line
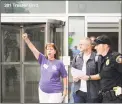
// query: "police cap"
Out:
[103,39]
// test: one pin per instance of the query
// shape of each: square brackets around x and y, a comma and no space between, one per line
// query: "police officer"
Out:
[110,71]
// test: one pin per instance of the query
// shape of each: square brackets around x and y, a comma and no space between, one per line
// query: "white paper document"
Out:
[76,73]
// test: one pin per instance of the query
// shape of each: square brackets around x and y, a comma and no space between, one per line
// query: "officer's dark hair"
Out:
[103,39]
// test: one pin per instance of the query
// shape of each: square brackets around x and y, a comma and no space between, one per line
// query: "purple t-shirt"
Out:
[51,72]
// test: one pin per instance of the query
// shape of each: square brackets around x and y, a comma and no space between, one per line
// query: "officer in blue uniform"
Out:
[110,71]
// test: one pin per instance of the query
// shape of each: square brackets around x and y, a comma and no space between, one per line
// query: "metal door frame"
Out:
[120,36]
[0,77]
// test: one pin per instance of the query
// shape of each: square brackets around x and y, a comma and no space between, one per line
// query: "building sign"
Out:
[33,6]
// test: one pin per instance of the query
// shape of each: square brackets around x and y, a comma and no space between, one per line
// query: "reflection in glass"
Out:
[10,83]
[11,43]
[37,38]
[32,76]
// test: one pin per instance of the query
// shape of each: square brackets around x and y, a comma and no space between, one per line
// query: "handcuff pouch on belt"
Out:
[110,95]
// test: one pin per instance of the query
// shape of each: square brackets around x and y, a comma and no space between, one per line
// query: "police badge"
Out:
[107,62]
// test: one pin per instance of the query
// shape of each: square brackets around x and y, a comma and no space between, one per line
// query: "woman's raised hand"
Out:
[25,36]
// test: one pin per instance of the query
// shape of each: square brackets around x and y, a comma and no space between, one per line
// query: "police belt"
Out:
[111,95]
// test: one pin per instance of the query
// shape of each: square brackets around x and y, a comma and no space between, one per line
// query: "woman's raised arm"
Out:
[31,46]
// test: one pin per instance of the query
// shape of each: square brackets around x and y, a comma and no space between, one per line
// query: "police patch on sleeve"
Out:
[119,59]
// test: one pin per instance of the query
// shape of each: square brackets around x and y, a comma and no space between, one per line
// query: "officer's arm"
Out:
[94,77]
[91,77]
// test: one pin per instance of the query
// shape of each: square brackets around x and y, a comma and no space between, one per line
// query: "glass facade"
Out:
[10,83]
[37,37]
[20,71]
[13,72]
[20,6]
[32,76]
[94,6]
[11,44]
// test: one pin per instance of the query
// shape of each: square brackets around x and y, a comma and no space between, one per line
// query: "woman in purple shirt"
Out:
[50,84]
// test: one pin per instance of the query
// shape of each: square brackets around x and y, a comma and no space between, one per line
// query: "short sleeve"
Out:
[63,70]
[41,58]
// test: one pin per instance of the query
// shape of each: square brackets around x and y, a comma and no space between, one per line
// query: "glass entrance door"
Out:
[10,64]
[19,70]
[31,68]
[56,34]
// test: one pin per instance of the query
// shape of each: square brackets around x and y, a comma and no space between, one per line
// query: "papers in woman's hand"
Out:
[76,73]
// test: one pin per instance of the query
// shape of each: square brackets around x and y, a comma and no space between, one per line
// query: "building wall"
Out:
[77,28]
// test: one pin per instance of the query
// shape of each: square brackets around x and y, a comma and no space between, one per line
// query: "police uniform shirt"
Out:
[111,71]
